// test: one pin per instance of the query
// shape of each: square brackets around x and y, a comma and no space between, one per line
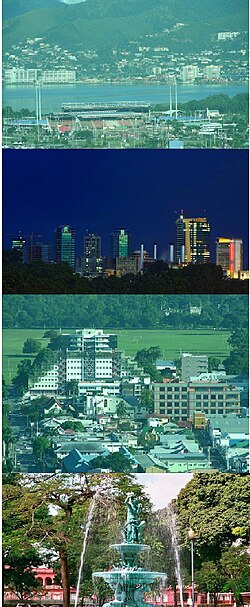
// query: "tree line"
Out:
[158,278]
[225,104]
[125,311]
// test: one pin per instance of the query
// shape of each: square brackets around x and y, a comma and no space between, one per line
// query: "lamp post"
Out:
[191,535]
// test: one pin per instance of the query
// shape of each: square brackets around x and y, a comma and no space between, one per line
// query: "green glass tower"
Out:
[119,243]
[65,245]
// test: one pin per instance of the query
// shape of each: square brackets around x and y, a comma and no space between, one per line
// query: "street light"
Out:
[191,535]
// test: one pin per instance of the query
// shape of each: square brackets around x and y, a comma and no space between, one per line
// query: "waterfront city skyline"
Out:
[141,193]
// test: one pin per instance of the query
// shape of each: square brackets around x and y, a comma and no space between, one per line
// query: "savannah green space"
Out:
[171,342]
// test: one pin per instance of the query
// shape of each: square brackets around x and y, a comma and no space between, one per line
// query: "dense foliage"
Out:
[217,508]
[239,355]
[124,312]
[158,278]
[225,104]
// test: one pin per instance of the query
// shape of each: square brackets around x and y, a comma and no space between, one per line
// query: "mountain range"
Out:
[103,24]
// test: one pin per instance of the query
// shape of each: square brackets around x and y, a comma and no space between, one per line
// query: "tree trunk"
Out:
[175,596]
[65,578]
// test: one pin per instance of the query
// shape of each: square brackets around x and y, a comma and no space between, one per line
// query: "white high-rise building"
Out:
[92,356]
[212,72]
[189,73]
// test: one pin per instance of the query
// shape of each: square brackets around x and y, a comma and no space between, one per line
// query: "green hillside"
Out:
[12,8]
[107,24]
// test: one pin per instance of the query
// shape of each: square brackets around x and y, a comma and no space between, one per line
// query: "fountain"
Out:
[128,580]
[176,549]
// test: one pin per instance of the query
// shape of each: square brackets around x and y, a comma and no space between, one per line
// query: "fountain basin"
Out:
[130,577]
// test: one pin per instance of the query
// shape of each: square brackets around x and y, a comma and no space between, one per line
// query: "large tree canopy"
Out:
[50,511]
[217,507]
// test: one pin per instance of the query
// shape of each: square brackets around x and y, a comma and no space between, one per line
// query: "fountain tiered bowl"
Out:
[128,580]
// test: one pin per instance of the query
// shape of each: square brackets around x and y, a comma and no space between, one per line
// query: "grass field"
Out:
[171,342]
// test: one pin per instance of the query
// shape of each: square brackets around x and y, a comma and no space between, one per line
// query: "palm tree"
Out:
[121,410]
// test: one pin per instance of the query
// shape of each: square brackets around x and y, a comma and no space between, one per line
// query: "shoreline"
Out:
[125,83]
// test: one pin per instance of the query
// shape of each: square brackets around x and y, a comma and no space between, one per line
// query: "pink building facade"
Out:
[50,592]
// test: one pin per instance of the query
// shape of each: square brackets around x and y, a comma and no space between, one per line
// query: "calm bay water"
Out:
[19,97]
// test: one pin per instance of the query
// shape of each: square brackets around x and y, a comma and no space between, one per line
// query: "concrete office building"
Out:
[58,76]
[125,265]
[39,252]
[189,73]
[17,75]
[212,72]
[92,359]
[192,240]
[193,365]
[179,400]
[92,356]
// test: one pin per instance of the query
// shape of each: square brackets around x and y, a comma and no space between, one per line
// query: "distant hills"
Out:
[12,8]
[105,24]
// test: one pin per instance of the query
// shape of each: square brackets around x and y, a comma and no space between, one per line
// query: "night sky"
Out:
[139,190]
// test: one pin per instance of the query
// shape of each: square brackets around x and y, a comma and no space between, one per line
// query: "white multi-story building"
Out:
[93,360]
[212,72]
[92,355]
[100,404]
[48,383]
[58,77]
[227,35]
[96,387]
[189,73]
[17,75]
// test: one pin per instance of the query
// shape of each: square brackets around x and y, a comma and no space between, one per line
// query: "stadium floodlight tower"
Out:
[38,102]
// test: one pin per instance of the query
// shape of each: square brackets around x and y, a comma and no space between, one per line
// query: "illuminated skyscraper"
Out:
[119,243]
[229,254]
[192,240]
[92,253]
[18,244]
[65,245]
